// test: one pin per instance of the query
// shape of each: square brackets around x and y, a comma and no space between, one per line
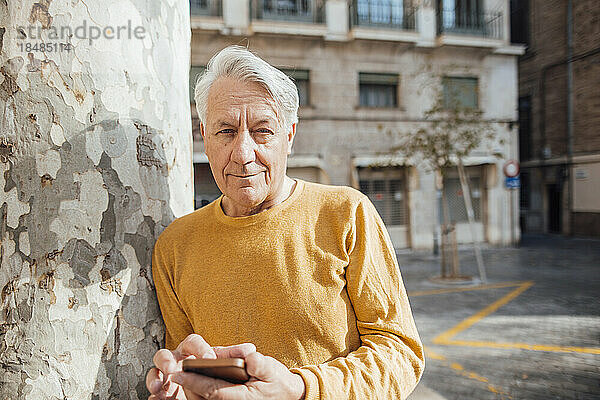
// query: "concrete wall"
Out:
[587,182]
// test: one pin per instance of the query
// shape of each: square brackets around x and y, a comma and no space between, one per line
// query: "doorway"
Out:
[554,208]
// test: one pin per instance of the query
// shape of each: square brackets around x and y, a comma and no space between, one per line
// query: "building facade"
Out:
[559,115]
[366,71]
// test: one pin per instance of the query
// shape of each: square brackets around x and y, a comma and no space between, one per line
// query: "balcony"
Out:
[307,11]
[392,14]
[459,21]
[206,8]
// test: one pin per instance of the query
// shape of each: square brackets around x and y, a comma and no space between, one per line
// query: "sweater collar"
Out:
[261,216]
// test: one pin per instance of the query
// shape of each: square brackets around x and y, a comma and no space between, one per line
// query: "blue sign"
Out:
[513,183]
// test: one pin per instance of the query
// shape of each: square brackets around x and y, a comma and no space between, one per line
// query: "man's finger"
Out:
[201,385]
[235,351]
[234,392]
[194,345]
[261,367]
[170,361]
[165,361]
[154,380]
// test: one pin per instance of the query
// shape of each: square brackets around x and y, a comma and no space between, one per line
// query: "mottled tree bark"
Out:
[95,161]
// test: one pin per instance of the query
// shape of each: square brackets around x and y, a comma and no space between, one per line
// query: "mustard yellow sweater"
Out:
[313,282]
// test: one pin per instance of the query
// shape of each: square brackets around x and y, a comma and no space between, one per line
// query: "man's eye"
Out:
[225,132]
[264,130]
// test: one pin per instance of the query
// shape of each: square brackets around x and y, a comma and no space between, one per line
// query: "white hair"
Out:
[240,63]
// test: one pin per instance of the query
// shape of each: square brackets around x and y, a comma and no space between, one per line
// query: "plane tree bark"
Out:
[95,161]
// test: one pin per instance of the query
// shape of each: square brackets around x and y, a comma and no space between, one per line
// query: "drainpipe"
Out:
[570,112]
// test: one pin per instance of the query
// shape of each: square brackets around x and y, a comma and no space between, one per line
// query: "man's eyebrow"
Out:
[222,123]
[264,121]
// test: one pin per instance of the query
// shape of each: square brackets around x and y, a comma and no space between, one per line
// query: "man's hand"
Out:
[269,379]
[167,362]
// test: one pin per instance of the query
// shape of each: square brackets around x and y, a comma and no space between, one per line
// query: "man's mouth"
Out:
[245,176]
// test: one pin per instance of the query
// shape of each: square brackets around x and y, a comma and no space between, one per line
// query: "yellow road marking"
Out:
[434,356]
[445,337]
[464,289]
[524,346]
[459,369]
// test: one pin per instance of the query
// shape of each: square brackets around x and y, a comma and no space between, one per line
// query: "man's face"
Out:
[246,146]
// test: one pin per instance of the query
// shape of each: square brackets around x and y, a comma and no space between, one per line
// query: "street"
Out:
[532,332]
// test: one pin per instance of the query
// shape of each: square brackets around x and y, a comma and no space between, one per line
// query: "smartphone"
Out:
[230,369]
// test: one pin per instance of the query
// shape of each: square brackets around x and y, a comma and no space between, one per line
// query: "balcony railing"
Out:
[210,8]
[384,13]
[311,11]
[459,21]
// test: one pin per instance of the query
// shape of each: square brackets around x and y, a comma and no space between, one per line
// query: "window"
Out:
[386,189]
[460,92]
[519,21]
[387,13]
[205,7]
[378,90]
[454,195]
[524,199]
[195,70]
[461,16]
[525,145]
[300,78]
[288,10]
[286,7]
[205,187]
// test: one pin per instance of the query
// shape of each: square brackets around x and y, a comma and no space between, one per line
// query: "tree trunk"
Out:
[95,161]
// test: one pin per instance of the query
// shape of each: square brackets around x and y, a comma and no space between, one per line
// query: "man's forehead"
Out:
[229,98]
[234,108]
[233,116]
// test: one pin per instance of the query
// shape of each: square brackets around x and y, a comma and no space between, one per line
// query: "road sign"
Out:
[511,168]
[513,182]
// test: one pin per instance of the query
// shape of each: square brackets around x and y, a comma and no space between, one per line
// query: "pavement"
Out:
[532,331]
[422,392]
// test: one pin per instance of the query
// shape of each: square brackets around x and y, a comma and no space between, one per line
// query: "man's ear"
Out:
[290,137]
[202,130]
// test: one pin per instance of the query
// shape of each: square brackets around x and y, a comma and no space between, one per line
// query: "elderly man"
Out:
[299,279]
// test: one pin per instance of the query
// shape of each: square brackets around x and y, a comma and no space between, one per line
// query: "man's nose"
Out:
[244,148]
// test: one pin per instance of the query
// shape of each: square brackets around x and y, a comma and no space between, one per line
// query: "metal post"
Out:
[512,217]
[467,197]
[437,233]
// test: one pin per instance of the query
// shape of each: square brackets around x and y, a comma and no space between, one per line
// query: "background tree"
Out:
[95,161]
[451,132]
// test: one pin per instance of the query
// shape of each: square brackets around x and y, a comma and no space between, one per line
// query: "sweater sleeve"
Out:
[177,324]
[390,360]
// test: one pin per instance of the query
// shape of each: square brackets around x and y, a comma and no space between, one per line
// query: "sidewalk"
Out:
[531,332]
[422,392]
